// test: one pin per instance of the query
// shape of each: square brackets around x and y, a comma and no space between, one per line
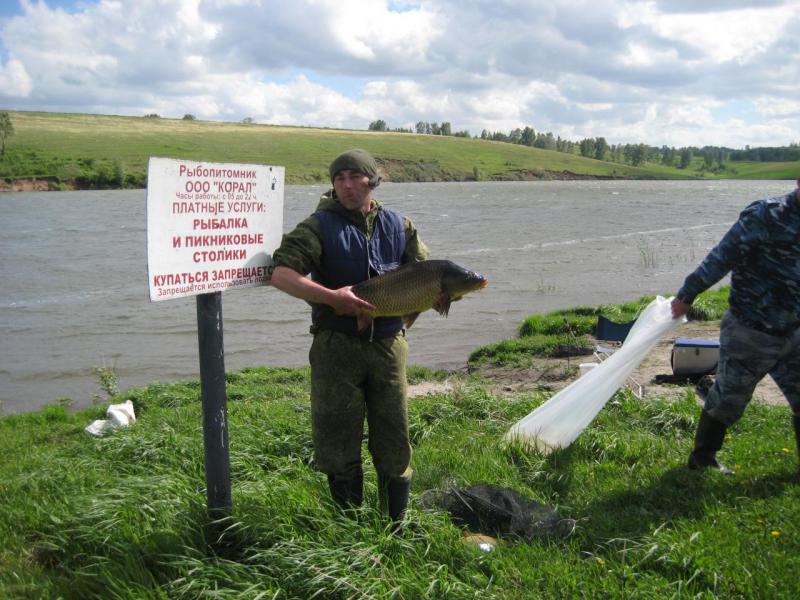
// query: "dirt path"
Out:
[554,374]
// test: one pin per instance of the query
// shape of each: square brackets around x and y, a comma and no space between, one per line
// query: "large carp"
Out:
[414,288]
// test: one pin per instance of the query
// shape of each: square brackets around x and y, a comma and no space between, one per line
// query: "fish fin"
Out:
[363,320]
[408,320]
[442,304]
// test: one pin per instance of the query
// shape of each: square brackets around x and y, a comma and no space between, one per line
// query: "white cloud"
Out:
[722,36]
[638,55]
[369,30]
[14,79]
[780,109]
[627,70]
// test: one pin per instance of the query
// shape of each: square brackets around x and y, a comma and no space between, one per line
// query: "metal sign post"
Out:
[211,227]
[215,404]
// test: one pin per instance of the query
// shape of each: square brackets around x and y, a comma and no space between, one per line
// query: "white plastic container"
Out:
[694,356]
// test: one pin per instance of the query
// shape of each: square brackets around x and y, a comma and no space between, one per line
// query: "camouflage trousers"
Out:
[353,379]
[746,356]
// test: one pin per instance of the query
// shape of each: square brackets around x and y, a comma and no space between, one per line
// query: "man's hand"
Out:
[679,308]
[345,302]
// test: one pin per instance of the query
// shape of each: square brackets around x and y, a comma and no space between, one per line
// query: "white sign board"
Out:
[211,226]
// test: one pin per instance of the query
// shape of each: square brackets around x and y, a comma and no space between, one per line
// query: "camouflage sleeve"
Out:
[416,250]
[734,247]
[301,248]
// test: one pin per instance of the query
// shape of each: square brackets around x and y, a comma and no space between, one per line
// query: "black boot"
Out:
[796,423]
[347,492]
[393,496]
[707,442]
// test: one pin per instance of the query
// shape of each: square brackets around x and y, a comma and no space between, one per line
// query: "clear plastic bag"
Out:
[560,420]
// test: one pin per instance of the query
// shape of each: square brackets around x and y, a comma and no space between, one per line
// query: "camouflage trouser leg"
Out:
[352,379]
[787,373]
[746,356]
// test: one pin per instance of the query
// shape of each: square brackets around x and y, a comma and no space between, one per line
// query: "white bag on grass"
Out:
[119,415]
[557,422]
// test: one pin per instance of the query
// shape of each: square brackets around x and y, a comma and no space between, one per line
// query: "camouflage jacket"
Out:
[301,249]
[762,253]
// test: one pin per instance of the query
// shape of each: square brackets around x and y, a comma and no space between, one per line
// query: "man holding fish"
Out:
[369,281]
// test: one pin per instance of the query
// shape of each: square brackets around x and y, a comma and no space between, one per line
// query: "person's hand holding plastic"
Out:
[679,308]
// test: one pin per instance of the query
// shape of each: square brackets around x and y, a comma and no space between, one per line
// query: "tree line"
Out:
[714,157]
[422,127]
[770,154]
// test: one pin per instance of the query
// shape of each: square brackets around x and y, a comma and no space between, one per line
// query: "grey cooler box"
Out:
[694,356]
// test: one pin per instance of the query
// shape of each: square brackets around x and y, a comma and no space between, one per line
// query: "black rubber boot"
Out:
[796,423]
[707,442]
[349,492]
[393,496]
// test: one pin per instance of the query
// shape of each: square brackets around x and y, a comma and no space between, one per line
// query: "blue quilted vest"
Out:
[348,257]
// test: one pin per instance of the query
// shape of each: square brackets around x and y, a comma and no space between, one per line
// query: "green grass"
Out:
[541,335]
[761,170]
[112,151]
[124,516]
[710,305]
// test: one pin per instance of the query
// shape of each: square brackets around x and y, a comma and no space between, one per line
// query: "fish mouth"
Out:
[476,285]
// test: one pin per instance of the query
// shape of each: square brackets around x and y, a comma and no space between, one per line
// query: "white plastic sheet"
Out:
[119,415]
[560,420]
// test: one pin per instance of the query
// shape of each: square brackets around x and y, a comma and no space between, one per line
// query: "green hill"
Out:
[99,151]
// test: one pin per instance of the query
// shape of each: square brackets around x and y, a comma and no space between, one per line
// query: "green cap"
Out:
[356,160]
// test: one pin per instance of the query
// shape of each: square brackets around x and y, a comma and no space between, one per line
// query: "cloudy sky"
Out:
[682,72]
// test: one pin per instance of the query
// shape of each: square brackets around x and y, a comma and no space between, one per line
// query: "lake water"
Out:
[75,290]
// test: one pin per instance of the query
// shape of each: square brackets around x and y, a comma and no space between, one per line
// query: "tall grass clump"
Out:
[578,321]
[518,352]
[581,320]
[648,256]
[549,334]
[558,332]
[710,305]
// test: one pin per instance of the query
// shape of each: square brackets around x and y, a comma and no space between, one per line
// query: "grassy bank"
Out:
[124,516]
[542,335]
[96,151]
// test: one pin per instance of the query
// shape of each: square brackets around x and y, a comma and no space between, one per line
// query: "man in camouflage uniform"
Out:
[354,374]
[760,332]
